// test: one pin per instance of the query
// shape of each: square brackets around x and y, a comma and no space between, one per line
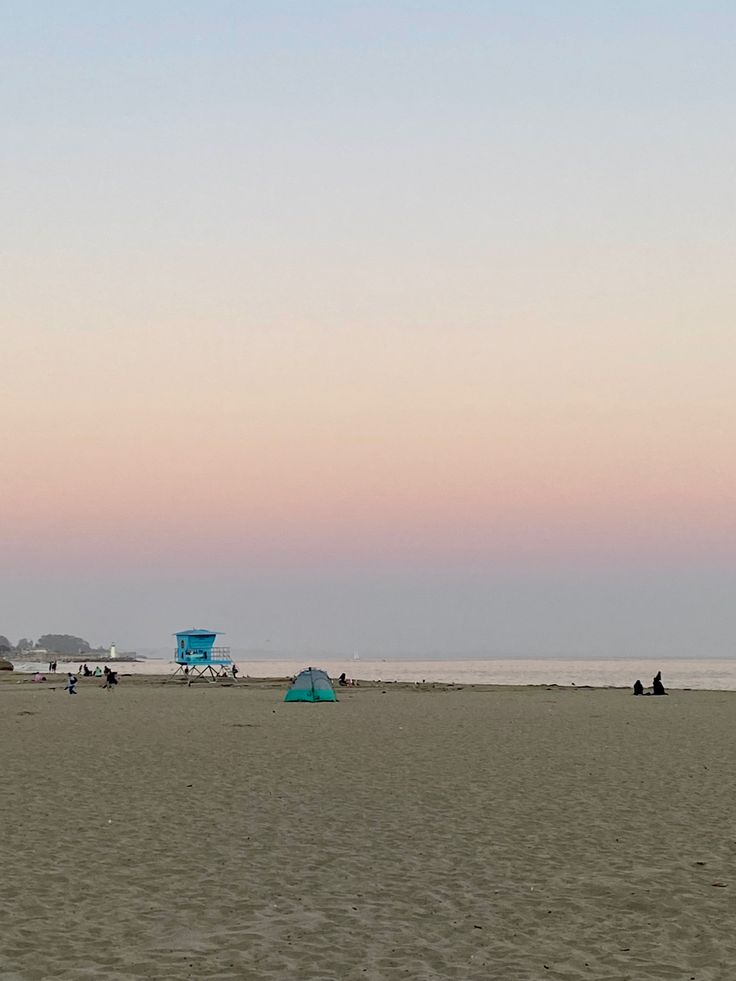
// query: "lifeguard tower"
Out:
[196,655]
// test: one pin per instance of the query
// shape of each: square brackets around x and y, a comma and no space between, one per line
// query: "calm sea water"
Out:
[676,673]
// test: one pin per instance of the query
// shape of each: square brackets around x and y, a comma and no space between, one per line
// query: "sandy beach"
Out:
[426,833]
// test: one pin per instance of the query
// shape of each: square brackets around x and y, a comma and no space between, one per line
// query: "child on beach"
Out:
[71,683]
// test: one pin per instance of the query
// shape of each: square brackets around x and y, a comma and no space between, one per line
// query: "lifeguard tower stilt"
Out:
[197,657]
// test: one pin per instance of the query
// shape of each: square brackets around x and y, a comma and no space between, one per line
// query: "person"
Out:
[638,687]
[98,672]
[53,667]
[71,683]
[86,671]
[342,680]
[111,680]
[38,677]
[657,686]
[235,671]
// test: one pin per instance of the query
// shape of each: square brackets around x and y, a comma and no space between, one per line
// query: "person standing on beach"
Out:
[71,683]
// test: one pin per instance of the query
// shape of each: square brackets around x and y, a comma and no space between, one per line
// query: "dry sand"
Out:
[216,832]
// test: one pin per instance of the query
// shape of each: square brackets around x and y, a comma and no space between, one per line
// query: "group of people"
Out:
[111,679]
[657,686]
[84,670]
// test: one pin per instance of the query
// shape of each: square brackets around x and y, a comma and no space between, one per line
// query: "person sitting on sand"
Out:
[71,683]
[98,672]
[638,687]
[38,677]
[342,680]
[657,686]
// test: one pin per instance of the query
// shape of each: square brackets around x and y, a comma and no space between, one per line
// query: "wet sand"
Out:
[161,831]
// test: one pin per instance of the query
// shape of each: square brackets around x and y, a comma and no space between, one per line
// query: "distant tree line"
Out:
[55,643]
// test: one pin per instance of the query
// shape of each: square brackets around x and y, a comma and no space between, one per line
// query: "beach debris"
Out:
[719,885]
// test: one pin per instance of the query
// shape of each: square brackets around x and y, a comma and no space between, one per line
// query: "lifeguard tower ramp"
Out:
[196,655]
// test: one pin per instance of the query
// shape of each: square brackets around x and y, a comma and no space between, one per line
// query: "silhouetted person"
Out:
[638,687]
[657,686]
[342,680]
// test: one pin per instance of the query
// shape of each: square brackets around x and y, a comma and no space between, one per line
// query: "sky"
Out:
[390,327]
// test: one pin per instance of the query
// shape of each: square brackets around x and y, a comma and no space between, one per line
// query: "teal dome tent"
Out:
[311,685]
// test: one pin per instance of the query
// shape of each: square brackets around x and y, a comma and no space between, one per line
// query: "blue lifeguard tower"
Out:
[196,654]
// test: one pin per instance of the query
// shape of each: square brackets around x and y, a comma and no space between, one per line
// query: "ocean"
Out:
[706,673]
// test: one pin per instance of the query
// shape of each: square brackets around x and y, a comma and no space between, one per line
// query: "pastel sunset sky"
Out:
[392,327]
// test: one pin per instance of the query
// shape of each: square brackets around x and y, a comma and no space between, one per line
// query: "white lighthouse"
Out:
[113,651]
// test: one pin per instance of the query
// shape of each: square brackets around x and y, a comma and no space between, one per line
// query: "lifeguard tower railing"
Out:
[215,655]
